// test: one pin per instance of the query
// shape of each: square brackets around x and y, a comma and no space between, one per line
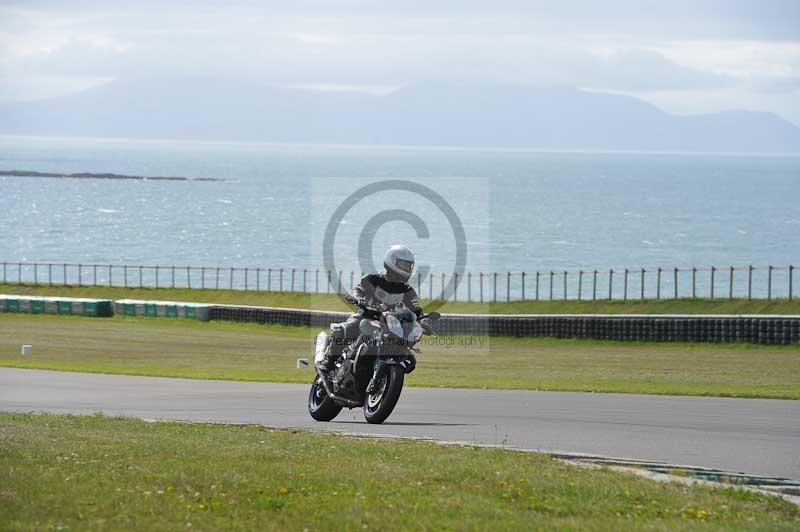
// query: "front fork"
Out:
[408,364]
[377,374]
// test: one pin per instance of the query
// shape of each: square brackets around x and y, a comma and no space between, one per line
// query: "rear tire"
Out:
[320,406]
[378,409]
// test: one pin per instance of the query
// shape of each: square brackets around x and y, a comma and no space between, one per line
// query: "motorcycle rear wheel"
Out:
[320,406]
[379,406]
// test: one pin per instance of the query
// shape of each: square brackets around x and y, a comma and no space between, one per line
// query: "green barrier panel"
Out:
[90,308]
[129,309]
[105,308]
[190,312]
[12,305]
[151,310]
[37,307]
[65,307]
[170,311]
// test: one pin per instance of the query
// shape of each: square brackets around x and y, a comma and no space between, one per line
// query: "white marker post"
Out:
[27,350]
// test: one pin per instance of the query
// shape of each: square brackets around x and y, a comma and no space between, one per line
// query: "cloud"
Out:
[648,70]
[635,46]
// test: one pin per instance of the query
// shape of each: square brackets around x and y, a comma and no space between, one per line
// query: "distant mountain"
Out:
[424,114]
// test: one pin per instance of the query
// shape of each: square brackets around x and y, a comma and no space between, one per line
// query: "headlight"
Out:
[394,325]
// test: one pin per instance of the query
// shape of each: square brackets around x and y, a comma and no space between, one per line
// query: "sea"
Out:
[318,206]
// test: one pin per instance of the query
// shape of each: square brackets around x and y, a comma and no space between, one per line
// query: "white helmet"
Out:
[399,263]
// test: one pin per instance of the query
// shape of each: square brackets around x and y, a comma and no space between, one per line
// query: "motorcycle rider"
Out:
[389,288]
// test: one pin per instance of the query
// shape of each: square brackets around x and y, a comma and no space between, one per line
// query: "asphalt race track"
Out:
[752,436]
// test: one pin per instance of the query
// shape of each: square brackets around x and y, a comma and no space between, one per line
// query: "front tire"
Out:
[379,405]
[320,406]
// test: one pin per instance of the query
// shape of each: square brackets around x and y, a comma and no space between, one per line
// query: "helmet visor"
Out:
[405,265]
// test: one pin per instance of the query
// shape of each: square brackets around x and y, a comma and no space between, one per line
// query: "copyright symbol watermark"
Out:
[374,219]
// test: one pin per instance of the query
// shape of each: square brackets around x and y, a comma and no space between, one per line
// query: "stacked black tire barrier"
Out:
[279,316]
[777,330]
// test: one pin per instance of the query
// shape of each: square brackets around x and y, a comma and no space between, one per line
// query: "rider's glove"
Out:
[361,302]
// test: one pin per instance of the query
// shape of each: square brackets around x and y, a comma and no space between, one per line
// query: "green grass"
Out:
[97,473]
[332,302]
[241,351]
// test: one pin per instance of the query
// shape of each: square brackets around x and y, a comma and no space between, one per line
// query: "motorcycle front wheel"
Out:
[320,406]
[380,404]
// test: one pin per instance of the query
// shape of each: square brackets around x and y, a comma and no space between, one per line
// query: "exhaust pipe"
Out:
[349,403]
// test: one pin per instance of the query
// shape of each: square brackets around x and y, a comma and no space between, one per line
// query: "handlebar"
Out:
[433,316]
[376,312]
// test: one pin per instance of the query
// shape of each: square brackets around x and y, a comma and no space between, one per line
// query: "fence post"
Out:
[508,287]
[750,282]
[230,279]
[430,286]
[694,276]
[203,277]
[523,286]
[4,273]
[658,283]
[713,271]
[316,281]
[280,280]
[269,279]
[443,296]
[188,277]
[730,285]
[594,285]
[610,283]
[455,286]
[481,285]
[551,285]
[140,276]
[791,272]
[469,287]
[675,281]
[338,290]
[258,279]
[246,277]
[580,283]
[80,274]
[125,276]
[173,276]
[625,286]
[109,276]
[537,286]
[156,276]
[94,274]
[293,271]
[65,274]
[494,285]
[642,293]
[419,284]
[351,280]
[50,274]
[305,272]
[19,272]
[328,286]
[769,283]
[565,284]
[35,274]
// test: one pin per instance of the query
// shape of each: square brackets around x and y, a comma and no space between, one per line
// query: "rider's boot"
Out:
[332,353]
[329,361]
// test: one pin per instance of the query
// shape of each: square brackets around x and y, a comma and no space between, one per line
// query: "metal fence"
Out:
[729,282]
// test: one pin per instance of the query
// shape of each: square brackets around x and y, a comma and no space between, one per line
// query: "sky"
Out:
[684,56]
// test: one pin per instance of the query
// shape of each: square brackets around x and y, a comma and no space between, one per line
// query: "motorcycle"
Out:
[370,372]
